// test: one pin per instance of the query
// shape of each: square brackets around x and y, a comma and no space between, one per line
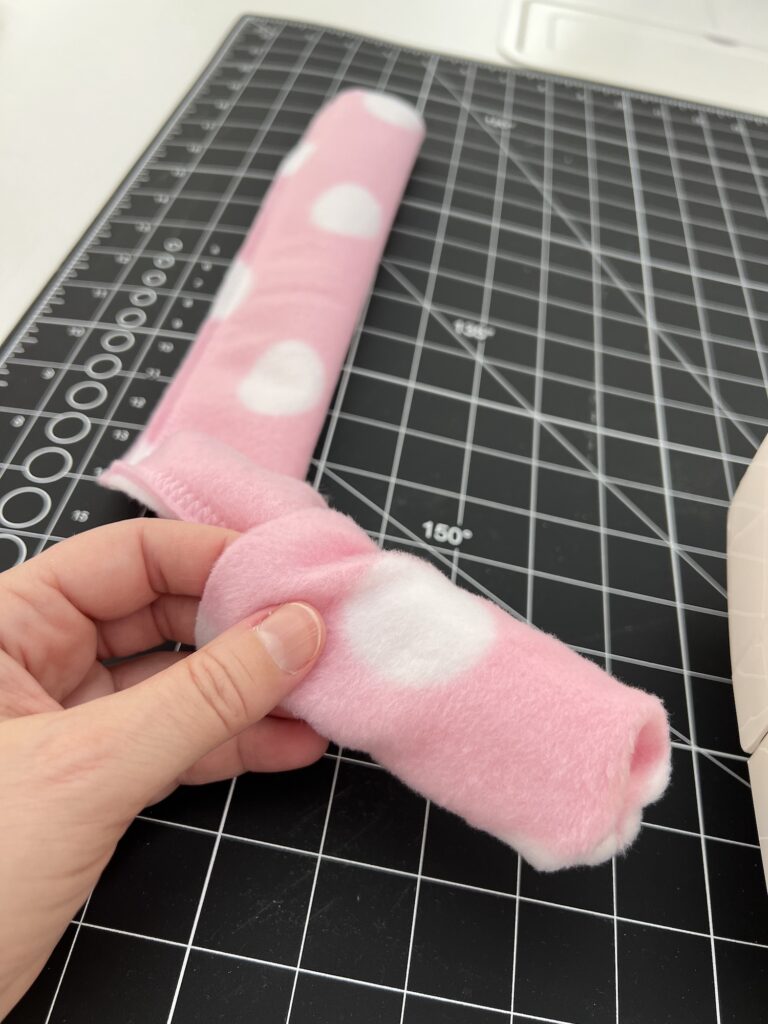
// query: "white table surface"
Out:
[85,84]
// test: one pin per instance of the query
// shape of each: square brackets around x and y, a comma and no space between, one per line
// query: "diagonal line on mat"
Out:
[709,757]
[609,270]
[553,430]
[493,597]
[448,562]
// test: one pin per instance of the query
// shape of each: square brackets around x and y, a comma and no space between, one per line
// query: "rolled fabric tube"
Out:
[262,371]
[487,716]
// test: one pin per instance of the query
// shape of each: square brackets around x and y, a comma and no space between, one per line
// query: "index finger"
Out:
[114,570]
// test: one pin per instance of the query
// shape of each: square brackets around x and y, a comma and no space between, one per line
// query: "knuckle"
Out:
[220,681]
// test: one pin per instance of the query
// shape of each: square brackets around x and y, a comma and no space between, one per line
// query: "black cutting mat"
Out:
[564,357]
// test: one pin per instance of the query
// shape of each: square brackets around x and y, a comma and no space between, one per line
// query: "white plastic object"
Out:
[748,627]
[758,778]
[748,600]
[707,51]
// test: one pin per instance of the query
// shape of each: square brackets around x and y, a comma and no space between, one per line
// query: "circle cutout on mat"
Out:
[131,317]
[287,379]
[434,630]
[118,341]
[95,391]
[393,110]
[297,157]
[234,288]
[347,209]
[33,503]
[154,278]
[102,367]
[144,297]
[47,464]
[17,554]
[63,436]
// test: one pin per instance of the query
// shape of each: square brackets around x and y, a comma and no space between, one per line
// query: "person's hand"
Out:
[84,747]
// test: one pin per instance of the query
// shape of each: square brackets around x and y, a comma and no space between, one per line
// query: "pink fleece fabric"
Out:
[487,716]
[271,349]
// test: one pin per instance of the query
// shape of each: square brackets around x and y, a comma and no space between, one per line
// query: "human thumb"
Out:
[163,725]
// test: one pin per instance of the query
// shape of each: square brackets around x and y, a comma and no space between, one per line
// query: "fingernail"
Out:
[292,636]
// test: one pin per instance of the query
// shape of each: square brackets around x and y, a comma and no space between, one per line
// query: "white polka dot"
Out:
[413,626]
[297,157]
[347,209]
[393,110]
[288,379]
[237,282]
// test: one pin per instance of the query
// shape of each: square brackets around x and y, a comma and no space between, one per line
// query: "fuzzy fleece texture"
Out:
[264,366]
[483,714]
